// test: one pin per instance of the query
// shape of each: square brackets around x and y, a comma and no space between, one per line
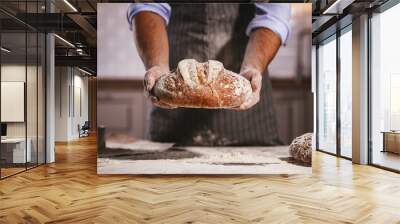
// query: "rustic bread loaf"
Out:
[202,85]
[301,148]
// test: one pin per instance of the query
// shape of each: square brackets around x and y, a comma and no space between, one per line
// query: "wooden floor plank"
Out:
[70,191]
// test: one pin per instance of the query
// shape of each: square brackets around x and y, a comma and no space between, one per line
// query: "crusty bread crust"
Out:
[202,85]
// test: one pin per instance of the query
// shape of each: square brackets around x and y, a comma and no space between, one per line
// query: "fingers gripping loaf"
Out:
[202,85]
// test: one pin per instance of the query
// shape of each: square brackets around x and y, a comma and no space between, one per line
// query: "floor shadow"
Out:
[243,164]
[295,162]
[172,153]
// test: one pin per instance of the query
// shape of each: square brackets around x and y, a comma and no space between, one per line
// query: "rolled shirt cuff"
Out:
[161,9]
[280,24]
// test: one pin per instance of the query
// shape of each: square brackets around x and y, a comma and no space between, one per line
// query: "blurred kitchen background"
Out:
[123,108]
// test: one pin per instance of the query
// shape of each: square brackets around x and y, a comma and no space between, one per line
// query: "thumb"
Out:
[256,82]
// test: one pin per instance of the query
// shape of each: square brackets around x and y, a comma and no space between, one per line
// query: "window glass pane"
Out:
[346,94]
[31,97]
[327,97]
[385,87]
[14,153]
[22,87]
[41,97]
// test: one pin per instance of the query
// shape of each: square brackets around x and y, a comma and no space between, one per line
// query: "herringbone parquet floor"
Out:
[70,191]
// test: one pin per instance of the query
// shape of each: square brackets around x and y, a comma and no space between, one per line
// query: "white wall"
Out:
[117,56]
[80,84]
[67,115]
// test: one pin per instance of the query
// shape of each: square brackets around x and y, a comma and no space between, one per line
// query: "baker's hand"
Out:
[255,78]
[152,75]
[150,78]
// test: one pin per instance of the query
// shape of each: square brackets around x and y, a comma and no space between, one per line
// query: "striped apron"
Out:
[213,31]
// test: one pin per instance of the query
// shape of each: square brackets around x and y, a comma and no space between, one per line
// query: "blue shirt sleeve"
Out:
[274,16]
[162,9]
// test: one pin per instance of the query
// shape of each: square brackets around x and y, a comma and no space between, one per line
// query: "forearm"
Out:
[151,39]
[261,49]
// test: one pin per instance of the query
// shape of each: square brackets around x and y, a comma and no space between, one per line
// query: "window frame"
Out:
[378,10]
[346,27]
[31,30]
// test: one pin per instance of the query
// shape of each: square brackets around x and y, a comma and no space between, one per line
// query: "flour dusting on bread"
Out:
[214,68]
[202,85]
[187,68]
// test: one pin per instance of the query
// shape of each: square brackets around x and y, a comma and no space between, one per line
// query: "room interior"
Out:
[335,74]
[25,101]
[22,101]
[49,90]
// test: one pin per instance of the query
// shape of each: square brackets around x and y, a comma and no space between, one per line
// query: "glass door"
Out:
[22,77]
[326,95]
[14,153]
[385,89]
[41,96]
[32,98]
[345,92]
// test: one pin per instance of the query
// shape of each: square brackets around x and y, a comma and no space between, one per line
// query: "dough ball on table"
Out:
[301,148]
